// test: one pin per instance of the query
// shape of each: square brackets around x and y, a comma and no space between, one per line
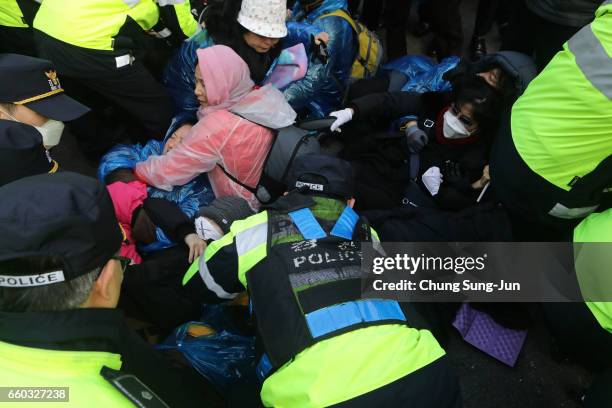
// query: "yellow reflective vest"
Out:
[595,262]
[78,370]
[11,14]
[93,23]
[562,124]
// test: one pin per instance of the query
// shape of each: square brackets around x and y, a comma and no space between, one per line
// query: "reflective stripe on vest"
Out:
[338,317]
[592,59]
[208,279]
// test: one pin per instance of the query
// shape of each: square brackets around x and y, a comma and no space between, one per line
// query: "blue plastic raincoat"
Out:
[189,197]
[322,89]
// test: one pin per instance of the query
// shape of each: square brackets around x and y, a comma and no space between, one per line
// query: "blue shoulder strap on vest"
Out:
[345,225]
[310,228]
[307,224]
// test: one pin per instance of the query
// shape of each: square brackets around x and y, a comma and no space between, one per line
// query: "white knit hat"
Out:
[264,17]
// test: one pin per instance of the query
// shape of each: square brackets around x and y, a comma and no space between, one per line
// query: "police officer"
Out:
[98,45]
[552,162]
[60,279]
[300,261]
[32,93]
[22,153]
[16,18]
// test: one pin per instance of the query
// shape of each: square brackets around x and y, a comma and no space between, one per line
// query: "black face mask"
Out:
[310,5]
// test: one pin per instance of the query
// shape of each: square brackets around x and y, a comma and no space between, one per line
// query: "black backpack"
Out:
[289,143]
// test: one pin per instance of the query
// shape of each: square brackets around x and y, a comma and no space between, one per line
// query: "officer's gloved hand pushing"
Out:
[300,260]
[60,281]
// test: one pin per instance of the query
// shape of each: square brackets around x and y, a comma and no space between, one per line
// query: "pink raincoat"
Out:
[233,130]
[126,198]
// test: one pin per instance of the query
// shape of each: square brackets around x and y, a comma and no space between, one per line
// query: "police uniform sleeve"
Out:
[222,269]
[215,274]
[177,17]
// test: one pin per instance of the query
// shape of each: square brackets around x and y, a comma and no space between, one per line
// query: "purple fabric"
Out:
[480,330]
[290,66]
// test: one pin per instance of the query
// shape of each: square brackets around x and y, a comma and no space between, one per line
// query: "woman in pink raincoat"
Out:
[234,130]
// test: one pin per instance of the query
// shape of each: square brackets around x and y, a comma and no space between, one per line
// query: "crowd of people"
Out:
[244,149]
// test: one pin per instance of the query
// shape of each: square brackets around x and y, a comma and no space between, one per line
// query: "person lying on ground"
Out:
[442,141]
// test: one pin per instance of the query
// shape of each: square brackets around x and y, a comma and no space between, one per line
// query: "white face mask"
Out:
[206,229]
[453,128]
[51,131]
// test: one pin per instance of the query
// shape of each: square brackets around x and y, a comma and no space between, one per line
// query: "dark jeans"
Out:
[533,35]
[15,40]
[445,20]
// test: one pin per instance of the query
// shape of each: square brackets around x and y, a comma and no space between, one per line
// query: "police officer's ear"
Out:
[106,289]
[6,110]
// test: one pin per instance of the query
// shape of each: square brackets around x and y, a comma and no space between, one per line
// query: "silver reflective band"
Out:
[10,281]
[561,211]
[592,59]
[210,283]
[131,3]
[251,238]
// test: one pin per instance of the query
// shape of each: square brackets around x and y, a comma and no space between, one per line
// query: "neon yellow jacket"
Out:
[592,261]
[78,370]
[562,124]
[93,23]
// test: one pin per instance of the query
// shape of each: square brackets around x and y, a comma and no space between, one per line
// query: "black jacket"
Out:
[382,159]
[106,330]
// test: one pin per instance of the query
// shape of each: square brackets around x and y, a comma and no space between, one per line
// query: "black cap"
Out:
[321,174]
[225,210]
[33,82]
[66,215]
[22,153]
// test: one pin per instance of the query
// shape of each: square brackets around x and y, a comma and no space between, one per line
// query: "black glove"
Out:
[416,139]
[454,176]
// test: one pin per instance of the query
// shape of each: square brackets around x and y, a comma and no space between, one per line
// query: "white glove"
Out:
[432,179]
[342,116]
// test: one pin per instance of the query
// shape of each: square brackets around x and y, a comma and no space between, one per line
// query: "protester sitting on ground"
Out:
[323,343]
[35,96]
[443,143]
[60,280]
[22,153]
[252,28]
[322,89]
[233,135]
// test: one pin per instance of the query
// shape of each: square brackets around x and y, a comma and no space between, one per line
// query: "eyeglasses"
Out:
[125,262]
[464,119]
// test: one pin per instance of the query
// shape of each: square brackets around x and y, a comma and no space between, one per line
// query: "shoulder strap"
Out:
[235,180]
[344,15]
